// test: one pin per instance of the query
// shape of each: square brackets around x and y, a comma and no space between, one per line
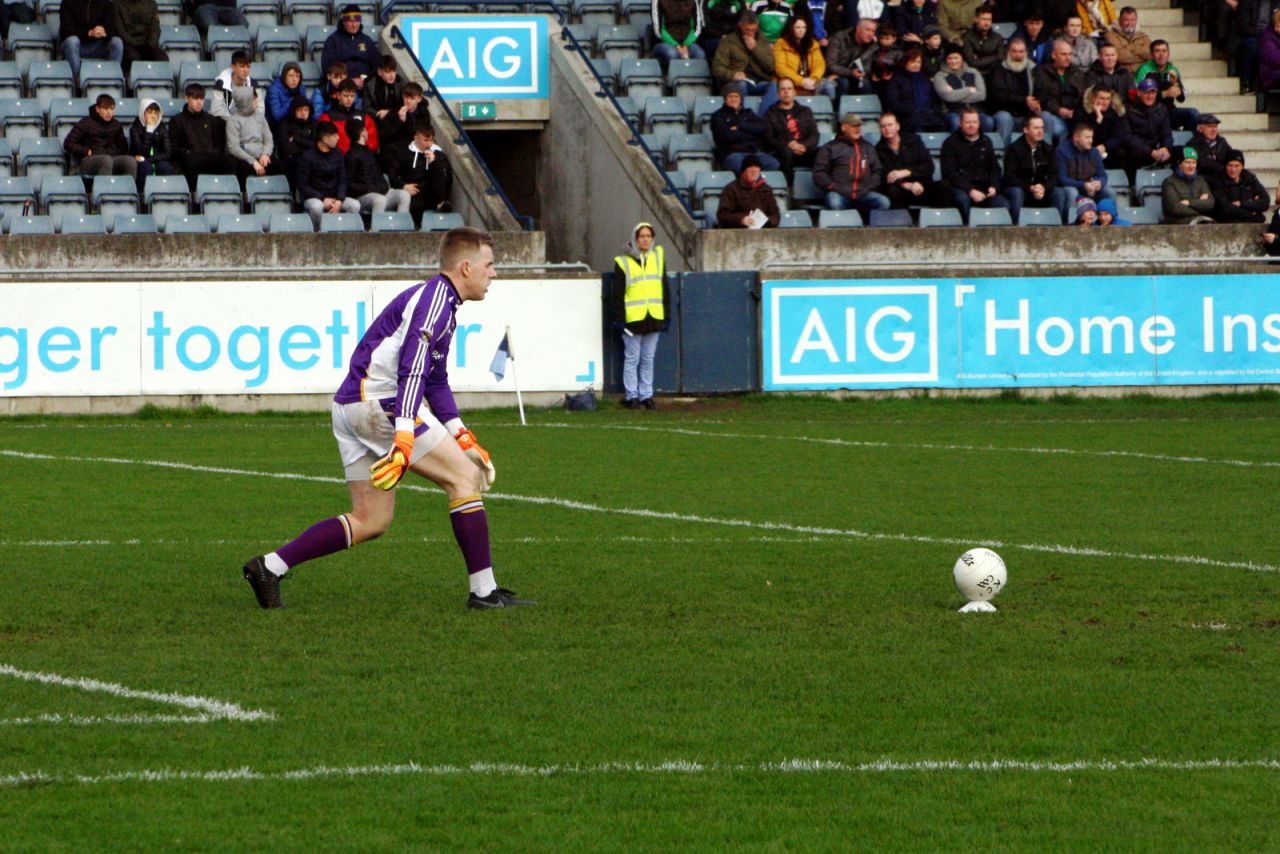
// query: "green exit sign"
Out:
[478,111]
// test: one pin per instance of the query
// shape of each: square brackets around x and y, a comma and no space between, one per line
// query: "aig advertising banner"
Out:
[274,337]
[481,56]
[1021,332]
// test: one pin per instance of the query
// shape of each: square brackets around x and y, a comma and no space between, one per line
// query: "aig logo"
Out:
[481,56]
[833,335]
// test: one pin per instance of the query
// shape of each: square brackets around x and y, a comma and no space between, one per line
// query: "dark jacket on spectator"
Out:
[737,130]
[136,22]
[1056,92]
[280,100]
[1248,191]
[1076,166]
[381,95]
[784,126]
[911,155]
[364,175]
[843,51]
[1148,130]
[356,49]
[296,135]
[1008,90]
[1024,167]
[1112,132]
[736,201]
[340,115]
[393,134]
[77,17]
[1119,81]
[197,133]
[1213,155]
[1178,187]
[851,169]
[982,53]
[908,18]
[412,167]
[92,135]
[970,164]
[322,174]
[153,145]
[910,96]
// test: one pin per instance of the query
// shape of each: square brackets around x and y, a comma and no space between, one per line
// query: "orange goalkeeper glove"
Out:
[467,442]
[386,472]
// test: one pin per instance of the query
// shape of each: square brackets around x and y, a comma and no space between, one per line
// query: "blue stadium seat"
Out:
[268,194]
[657,146]
[341,222]
[1140,215]
[1146,183]
[391,221]
[709,184]
[1118,182]
[690,153]
[63,194]
[1005,29]
[17,197]
[432,221]
[182,43]
[197,72]
[315,37]
[941,218]
[101,76]
[639,78]
[630,110]
[11,86]
[29,43]
[222,41]
[114,196]
[278,43]
[169,12]
[261,74]
[49,11]
[218,194]
[47,80]
[866,106]
[239,224]
[839,219]
[689,78]
[41,224]
[151,80]
[803,191]
[584,35]
[126,112]
[6,158]
[41,156]
[596,11]
[988,217]
[81,224]
[703,107]
[933,141]
[133,224]
[710,212]
[22,119]
[165,196]
[895,218]
[172,106]
[824,113]
[796,219]
[311,75]
[777,182]
[1039,216]
[306,13]
[265,13]
[289,223]
[605,71]
[665,115]
[683,186]
[636,11]
[618,42]
[185,224]
[1181,138]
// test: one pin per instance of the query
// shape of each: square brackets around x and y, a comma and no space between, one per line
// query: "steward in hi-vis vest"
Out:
[641,308]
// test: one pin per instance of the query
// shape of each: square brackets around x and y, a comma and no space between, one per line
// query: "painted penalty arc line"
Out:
[568,504]
[672,768]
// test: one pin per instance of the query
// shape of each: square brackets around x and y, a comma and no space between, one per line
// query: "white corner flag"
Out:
[498,367]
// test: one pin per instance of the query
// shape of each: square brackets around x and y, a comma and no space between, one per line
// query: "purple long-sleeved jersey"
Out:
[404,355]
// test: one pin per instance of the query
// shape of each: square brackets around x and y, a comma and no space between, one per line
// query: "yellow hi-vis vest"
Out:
[643,296]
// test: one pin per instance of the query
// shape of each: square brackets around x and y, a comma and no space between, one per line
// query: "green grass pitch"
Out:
[746,636]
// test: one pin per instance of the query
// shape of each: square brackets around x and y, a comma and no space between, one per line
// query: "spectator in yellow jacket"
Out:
[797,57]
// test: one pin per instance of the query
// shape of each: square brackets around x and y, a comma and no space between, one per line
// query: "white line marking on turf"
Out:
[93,720]
[683,767]
[936,446]
[219,709]
[1051,548]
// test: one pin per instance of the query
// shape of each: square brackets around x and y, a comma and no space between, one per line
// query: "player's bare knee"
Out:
[463,482]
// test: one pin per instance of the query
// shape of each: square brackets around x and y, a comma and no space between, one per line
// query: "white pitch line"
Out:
[675,767]
[852,533]
[217,708]
[935,446]
[94,720]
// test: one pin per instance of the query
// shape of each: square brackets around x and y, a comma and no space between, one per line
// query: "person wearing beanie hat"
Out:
[750,193]
[959,87]
[1185,196]
[641,301]
[737,132]
[1238,196]
[350,44]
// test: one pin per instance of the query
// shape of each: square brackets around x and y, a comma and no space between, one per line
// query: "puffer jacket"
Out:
[851,169]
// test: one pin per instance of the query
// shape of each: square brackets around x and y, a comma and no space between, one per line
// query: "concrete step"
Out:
[1152,19]
[1236,118]
[1188,51]
[1267,161]
[1256,141]
[1269,178]
[1140,5]
[1200,69]
[1228,87]
[1173,34]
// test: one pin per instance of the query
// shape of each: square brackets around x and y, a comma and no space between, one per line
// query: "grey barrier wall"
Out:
[712,342]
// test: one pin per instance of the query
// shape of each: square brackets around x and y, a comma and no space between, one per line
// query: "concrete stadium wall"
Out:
[594,184]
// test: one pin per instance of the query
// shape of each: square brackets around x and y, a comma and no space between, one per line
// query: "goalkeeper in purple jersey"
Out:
[395,413]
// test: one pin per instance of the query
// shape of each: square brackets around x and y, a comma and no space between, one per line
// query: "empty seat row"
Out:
[132,223]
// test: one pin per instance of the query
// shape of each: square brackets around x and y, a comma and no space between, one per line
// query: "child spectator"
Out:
[322,177]
[395,131]
[297,133]
[382,94]
[342,110]
[284,89]
[98,142]
[365,181]
[422,170]
[149,143]
[249,139]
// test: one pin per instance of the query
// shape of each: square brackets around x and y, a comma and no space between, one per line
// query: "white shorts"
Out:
[365,433]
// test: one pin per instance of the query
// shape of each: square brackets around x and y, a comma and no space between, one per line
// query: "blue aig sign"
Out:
[494,57]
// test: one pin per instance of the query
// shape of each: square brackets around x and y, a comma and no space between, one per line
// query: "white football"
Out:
[980,574]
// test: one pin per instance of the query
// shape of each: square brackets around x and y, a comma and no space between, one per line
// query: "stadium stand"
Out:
[115,196]
[341,222]
[39,224]
[81,224]
[133,224]
[391,221]
[239,224]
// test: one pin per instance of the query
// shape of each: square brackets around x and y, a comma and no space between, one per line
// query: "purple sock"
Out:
[322,538]
[471,530]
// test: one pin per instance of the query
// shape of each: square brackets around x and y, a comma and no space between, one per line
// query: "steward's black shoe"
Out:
[501,597]
[631,403]
[649,403]
[265,583]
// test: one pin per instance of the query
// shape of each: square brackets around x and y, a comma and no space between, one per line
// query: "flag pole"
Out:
[511,355]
